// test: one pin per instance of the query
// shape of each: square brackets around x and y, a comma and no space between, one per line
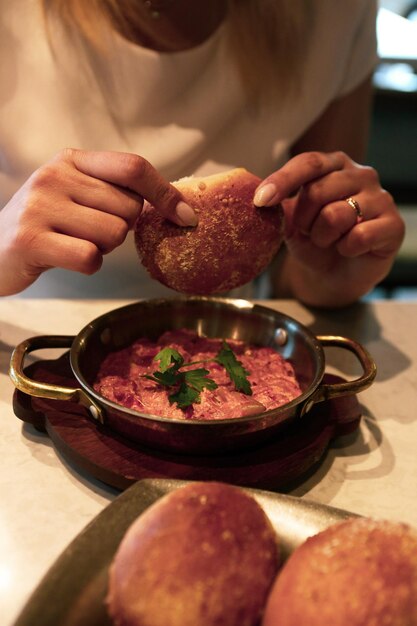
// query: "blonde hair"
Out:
[268,38]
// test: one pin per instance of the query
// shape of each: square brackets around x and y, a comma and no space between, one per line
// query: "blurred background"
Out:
[393,144]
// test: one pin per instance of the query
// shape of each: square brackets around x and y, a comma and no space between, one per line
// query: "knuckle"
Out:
[134,166]
[315,161]
[330,218]
[119,232]
[313,191]
[133,208]
[371,174]
[327,228]
[44,177]
[115,235]
[362,237]
[339,155]
[90,259]
[57,169]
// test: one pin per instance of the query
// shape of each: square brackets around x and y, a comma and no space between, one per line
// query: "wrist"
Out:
[318,288]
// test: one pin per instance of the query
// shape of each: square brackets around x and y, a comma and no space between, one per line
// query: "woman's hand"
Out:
[77,208]
[338,250]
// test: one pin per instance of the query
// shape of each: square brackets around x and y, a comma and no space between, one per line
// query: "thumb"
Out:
[132,171]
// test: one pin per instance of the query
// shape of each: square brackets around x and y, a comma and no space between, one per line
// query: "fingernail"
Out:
[185,214]
[264,194]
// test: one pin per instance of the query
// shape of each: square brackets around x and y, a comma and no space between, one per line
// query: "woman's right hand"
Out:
[76,208]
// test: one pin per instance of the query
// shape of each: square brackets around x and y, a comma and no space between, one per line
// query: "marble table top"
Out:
[45,502]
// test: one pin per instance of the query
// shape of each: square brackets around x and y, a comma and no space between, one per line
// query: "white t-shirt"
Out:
[185,112]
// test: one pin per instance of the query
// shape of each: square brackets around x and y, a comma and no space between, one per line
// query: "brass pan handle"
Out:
[45,390]
[327,391]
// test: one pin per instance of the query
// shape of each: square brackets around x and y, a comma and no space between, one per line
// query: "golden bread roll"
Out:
[203,555]
[233,242]
[359,572]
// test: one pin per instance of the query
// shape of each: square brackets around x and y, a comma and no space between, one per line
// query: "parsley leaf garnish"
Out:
[198,379]
[185,396]
[167,356]
[193,383]
[237,373]
[190,383]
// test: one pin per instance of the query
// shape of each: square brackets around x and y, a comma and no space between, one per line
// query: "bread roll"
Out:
[203,555]
[233,242]
[358,572]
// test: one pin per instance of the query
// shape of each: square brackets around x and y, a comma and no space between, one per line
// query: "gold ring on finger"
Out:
[356,207]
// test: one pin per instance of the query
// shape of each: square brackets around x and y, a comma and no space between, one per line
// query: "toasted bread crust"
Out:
[358,572]
[233,242]
[204,554]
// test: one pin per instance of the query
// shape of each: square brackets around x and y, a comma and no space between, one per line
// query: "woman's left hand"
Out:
[342,229]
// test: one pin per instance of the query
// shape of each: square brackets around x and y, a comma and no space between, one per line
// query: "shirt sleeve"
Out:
[364,50]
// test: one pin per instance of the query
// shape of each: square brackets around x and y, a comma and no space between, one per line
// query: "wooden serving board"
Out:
[118,462]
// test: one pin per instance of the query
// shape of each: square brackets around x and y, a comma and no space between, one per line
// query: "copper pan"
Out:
[212,317]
